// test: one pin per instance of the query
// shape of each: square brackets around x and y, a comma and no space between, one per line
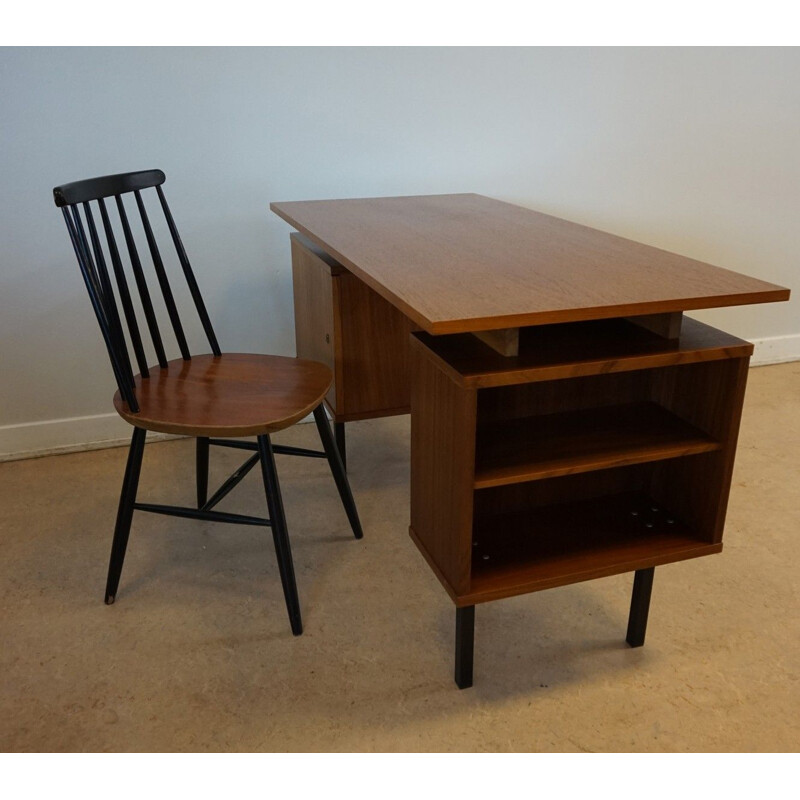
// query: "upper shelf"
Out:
[552,352]
[552,445]
[463,262]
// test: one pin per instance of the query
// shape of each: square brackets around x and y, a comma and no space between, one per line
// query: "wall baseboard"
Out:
[75,434]
[776,350]
[69,435]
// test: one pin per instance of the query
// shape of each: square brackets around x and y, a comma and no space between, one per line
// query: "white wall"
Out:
[696,151]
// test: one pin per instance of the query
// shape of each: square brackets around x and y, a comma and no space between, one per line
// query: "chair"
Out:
[216,397]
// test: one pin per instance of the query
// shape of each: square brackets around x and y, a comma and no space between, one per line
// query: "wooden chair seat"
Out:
[233,394]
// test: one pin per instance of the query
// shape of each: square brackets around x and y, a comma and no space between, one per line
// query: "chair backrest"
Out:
[92,261]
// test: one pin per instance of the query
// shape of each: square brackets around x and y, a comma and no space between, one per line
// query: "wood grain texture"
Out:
[464,262]
[313,308]
[504,340]
[709,396]
[574,478]
[332,266]
[442,470]
[555,352]
[235,394]
[666,325]
[575,541]
[527,498]
[586,394]
[340,321]
[373,369]
[551,445]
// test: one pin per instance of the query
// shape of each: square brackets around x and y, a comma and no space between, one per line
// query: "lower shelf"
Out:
[571,542]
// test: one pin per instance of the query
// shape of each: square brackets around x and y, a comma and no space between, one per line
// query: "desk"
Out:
[567,423]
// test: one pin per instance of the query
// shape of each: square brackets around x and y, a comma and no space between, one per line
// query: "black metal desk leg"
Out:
[465,641]
[341,445]
[640,606]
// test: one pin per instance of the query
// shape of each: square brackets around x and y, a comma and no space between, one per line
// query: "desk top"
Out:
[463,262]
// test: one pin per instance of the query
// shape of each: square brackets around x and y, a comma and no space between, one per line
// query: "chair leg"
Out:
[338,470]
[280,534]
[640,606]
[202,470]
[341,443]
[465,645]
[122,529]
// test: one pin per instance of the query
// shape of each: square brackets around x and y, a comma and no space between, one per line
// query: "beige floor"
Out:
[197,655]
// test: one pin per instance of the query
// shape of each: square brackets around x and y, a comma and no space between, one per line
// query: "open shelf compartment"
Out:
[554,352]
[539,548]
[537,447]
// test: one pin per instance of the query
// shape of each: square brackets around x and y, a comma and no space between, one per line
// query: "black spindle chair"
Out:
[215,397]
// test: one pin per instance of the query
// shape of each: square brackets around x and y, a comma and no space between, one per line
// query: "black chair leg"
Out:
[122,529]
[280,534]
[465,645]
[640,606]
[202,470]
[341,443]
[337,468]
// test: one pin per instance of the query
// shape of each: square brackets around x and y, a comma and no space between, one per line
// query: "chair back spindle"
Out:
[187,271]
[124,293]
[91,253]
[163,282]
[141,285]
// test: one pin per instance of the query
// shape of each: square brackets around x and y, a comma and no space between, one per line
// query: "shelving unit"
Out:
[601,448]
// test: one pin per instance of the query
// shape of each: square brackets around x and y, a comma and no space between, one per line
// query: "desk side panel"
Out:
[443,419]
[314,311]
[374,340]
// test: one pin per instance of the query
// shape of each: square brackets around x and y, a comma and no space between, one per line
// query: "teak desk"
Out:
[567,422]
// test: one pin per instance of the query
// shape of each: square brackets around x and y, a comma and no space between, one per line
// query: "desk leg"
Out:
[465,641]
[338,432]
[640,606]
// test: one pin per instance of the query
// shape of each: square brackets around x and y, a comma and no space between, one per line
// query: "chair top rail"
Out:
[106,186]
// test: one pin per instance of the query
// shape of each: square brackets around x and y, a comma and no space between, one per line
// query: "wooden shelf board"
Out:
[553,352]
[552,445]
[573,542]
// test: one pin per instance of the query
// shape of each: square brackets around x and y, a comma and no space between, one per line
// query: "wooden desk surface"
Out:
[463,262]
